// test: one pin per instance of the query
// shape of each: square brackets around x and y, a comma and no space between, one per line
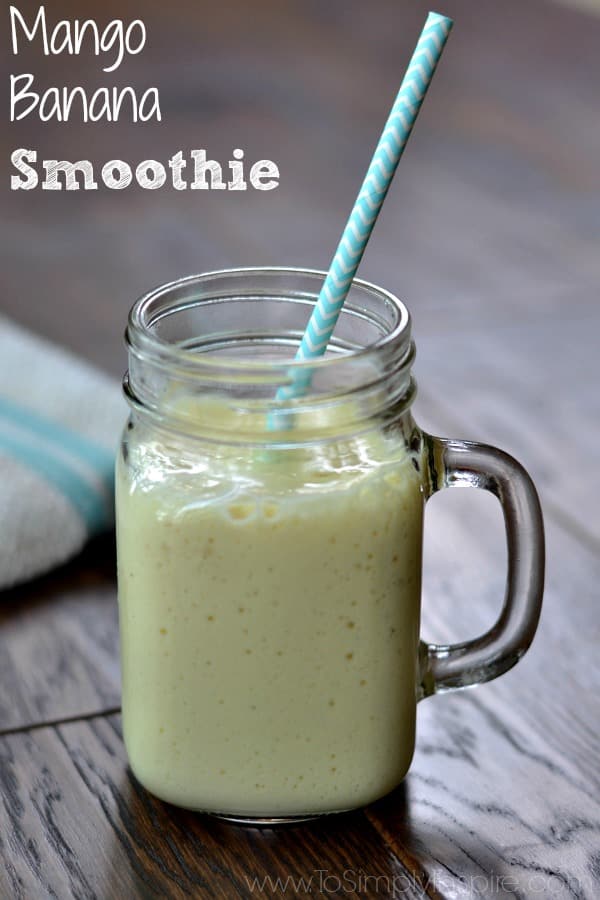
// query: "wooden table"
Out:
[491,234]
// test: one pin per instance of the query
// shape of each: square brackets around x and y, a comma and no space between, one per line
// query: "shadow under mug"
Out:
[269,551]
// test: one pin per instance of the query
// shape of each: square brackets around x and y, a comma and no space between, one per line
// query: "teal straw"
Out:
[370,199]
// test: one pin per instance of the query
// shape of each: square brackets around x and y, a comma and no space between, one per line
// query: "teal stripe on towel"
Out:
[89,503]
[96,457]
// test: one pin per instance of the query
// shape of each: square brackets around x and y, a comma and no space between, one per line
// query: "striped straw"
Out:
[370,199]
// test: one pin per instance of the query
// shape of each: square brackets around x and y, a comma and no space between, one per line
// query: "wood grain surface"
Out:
[490,234]
[139,846]
[60,659]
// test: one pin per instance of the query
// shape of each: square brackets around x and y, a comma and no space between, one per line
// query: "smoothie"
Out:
[269,612]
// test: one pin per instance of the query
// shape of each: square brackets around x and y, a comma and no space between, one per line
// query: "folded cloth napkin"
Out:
[60,421]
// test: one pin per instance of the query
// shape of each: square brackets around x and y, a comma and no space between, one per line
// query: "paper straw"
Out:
[370,198]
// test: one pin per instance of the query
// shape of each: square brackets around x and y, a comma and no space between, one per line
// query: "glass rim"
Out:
[140,338]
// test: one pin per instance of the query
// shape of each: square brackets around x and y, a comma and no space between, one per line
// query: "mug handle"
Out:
[451,463]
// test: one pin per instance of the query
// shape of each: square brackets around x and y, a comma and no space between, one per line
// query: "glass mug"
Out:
[269,552]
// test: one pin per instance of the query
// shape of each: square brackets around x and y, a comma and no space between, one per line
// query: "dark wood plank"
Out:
[59,643]
[504,786]
[76,824]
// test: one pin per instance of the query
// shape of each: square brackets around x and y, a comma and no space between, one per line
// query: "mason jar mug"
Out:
[270,544]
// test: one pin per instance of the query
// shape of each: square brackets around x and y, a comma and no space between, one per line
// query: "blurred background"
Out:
[489,233]
[492,217]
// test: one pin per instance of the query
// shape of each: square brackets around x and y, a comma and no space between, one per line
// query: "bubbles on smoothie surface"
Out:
[242,510]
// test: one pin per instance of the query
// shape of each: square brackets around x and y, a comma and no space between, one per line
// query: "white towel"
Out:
[60,422]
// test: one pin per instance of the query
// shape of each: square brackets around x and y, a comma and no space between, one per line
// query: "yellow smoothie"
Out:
[269,613]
